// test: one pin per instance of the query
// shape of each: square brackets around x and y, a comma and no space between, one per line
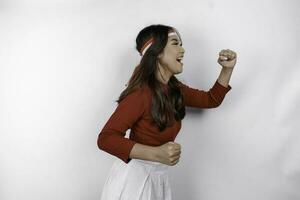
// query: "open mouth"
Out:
[179,60]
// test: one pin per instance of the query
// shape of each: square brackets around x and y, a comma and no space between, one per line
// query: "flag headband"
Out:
[150,41]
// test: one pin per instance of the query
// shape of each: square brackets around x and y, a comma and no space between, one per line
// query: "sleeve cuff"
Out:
[222,88]
[127,149]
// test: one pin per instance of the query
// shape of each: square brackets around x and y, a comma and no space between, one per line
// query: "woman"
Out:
[152,106]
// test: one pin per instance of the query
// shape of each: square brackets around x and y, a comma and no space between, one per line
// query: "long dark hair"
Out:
[164,107]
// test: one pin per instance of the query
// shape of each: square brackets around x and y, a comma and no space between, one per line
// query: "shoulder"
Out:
[182,86]
[180,83]
[138,95]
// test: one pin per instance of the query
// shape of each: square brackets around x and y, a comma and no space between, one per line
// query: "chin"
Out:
[178,72]
[180,69]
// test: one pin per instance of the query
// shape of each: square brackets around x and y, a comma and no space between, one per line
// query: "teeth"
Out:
[180,59]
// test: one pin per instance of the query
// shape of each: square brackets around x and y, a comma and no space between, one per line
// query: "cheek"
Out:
[171,58]
[168,60]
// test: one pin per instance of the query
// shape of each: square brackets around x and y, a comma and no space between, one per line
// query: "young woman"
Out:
[152,107]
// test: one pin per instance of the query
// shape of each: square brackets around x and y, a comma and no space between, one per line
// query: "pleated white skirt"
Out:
[137,180]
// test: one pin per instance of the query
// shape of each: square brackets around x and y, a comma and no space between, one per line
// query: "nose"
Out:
[182,50]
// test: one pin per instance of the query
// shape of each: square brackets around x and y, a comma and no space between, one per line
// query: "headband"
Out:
[150,41]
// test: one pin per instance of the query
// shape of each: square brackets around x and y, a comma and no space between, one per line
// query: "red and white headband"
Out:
[150,41]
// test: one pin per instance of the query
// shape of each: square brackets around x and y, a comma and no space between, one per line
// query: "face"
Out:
[170,60]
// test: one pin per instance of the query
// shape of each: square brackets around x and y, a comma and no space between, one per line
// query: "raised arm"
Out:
[193,97]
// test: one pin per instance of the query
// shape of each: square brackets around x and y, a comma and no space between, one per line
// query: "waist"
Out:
[155,166]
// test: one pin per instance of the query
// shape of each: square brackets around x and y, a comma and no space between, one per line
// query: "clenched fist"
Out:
[168,153]
[227,58]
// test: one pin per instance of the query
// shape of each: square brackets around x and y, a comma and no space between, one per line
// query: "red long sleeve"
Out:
[134,112]
[204,99]
[111,139]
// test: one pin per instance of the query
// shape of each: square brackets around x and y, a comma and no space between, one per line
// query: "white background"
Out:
[64,63]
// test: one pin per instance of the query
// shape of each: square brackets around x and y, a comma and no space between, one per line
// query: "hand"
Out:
[169,153]
[227,58]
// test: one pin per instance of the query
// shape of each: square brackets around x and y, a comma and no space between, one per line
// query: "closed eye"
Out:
[177,44]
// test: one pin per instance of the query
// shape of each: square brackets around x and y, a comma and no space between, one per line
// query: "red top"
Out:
[134,112]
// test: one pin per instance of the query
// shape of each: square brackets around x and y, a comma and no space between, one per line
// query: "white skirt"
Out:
[137,180]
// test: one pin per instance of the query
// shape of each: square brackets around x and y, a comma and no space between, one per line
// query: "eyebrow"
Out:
[174,39]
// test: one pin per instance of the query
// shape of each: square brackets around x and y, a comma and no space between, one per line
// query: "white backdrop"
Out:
[64,63]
